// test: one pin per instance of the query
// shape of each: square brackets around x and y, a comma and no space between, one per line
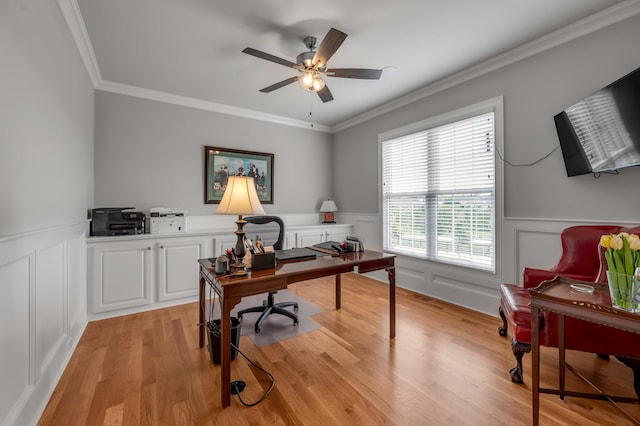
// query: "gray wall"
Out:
[534,90]
[151,154]
[46,188]
[46,121]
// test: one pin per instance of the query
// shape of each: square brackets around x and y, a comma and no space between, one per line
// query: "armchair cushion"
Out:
[515,304]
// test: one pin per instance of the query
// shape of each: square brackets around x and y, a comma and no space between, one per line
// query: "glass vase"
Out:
[625,291]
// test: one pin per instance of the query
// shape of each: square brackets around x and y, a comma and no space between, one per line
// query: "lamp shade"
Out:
[240,197]
[328,206]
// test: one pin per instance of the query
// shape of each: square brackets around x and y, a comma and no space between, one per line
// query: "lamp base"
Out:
[240,272]
[328,218]
[239,250]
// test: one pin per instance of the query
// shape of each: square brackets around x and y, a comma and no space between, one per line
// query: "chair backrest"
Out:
[261,220]
[580,252]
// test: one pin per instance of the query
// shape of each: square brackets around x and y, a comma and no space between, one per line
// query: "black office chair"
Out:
[269,306]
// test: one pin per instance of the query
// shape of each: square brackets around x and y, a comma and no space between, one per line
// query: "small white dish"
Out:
[582,288]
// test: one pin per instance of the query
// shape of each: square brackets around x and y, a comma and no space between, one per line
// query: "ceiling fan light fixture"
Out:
[311,81]
[306,59]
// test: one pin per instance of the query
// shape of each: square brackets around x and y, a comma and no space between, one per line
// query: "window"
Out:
[439,190]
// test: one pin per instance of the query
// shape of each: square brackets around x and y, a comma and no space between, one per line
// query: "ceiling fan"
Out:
[313,65]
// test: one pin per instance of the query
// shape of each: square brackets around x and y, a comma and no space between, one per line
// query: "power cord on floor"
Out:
[237,386]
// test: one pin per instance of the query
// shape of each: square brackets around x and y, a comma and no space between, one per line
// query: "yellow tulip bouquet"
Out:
[622,252]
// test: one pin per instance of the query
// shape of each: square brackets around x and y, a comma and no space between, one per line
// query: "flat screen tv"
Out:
[601,133]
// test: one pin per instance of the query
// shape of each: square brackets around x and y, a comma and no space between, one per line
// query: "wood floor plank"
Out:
[447,365]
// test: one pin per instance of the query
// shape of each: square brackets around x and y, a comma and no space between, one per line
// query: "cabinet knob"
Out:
[161,247]
[148,248]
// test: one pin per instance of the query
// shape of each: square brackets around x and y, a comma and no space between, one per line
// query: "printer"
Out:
[109,221]
[164,220]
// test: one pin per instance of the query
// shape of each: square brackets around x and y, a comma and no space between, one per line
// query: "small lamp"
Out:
[240,197]
[328,207]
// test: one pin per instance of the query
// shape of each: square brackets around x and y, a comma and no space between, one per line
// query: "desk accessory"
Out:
[263,261]
[240,197]
[222,265]
[355,242]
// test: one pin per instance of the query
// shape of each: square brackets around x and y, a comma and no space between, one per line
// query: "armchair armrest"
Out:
[532,277]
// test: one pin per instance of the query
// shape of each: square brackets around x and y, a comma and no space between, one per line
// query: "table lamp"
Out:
[328,207]
[240,197]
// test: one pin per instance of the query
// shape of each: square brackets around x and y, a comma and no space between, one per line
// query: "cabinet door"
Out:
[120,275]
[309,238]
[338,234]
[322,234]
[178,267]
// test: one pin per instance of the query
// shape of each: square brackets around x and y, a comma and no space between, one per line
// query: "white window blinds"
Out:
[438,189]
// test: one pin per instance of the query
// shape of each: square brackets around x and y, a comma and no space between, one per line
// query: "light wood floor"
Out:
[447,365]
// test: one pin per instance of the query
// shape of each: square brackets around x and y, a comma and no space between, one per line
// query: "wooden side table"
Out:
[562,296]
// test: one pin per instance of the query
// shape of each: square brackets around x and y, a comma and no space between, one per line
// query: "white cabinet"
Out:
[322,233]
[310,237]
[133,273]
[119,275]
[338,233]
[177,267]
[128,273]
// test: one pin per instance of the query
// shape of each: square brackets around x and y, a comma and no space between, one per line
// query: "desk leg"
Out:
[561,353]
[225,349]
[391,272]
[201,314]
[338,292]
[535,364]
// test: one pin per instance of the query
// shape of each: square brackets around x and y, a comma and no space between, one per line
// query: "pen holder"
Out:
[263,261]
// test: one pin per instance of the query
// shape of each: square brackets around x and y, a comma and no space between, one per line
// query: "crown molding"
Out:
[571,32]
[153,95]
[78,30]
[75,23]
[610,16]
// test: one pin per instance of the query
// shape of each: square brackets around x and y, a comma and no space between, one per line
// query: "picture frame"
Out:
[220,163]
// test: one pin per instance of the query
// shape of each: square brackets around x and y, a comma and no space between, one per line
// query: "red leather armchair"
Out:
[582,259]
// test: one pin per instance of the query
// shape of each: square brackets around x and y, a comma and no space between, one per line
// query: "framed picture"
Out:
[220,163]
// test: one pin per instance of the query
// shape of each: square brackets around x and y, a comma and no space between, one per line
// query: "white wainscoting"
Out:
[43,308]
[43,312]
[525,242]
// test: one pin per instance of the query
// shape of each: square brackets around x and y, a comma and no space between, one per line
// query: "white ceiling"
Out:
[190,51]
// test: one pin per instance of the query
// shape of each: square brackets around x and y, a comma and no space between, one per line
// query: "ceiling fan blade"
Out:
[269,57]
[363,73]
[330,43]
[278,85]
[325,94]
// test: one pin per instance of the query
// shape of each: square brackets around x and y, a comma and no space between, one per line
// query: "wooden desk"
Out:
[231,290]
[558,296]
